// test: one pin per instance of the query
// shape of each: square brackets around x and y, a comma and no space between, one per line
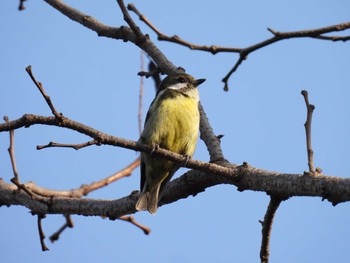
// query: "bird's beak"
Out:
[198,82]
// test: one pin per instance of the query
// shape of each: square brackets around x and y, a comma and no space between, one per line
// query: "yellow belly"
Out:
[174,125]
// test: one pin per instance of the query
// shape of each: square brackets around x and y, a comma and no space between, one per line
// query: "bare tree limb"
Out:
[103,138]
[41,232]
[84,189]
[64,145]
[15,180]
[310,153]
[146,44]
[334,189]
[68,224]
[275,201]
[123,33]
[43,93]
[131,219]
[11,151]
[21,6]
[244,52]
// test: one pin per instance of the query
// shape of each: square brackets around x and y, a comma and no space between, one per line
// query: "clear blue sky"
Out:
[93,80]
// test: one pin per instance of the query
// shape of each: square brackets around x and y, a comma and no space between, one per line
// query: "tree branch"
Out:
[131,219]
[43,93]
[244,52]
[41,232]
[68,224]
[65,145]
[103,138]
[123,33]
[275,201]
[333,189]
[310,153]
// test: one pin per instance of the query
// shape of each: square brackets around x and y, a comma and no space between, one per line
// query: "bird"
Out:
[172,123]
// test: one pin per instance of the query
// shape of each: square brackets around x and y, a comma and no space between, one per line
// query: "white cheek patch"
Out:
[178,86]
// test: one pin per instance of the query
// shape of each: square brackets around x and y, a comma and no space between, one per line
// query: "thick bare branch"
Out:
[334,189]
[123,33]
[30,119]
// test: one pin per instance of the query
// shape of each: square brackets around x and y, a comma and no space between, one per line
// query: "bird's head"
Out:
[180,82]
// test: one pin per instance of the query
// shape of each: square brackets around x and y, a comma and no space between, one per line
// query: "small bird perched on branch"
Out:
[172,123]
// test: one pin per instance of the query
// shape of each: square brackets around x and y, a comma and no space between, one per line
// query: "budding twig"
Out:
[68,224]
[15,180]
[11,151]
[43,93]
[21,5]
[64,145]
[131,219]
[41,233]
[275,201]
[310,153]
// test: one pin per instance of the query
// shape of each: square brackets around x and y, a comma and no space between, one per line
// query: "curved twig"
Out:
[317,33]
[275,202]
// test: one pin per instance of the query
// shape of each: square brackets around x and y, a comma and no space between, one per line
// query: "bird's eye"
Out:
[182,80]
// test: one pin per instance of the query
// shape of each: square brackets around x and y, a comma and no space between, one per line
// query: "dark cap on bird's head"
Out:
[179,81]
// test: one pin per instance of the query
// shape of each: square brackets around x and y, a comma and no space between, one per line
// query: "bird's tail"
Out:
[148,200]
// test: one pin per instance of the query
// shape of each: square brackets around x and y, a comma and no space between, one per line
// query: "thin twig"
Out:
[21,6]
[116,176]
[141,91]
[244,52]
[68,224]
[176,39]
[310,153]
[11,151]
[64,145]
[84,189]
[275,201]
[334,38]
[41,233]
[43,93]
[131,219]
[137,31]
[15,180]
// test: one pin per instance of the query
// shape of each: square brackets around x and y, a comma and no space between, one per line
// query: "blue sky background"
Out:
[94,80]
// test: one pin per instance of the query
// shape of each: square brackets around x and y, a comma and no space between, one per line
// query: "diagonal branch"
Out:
[85,189]
[43,93]
[317,33]
[106,139]
[132,220]
[68,224]
[127,34]
[123,33]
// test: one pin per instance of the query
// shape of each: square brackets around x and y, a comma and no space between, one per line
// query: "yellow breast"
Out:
[173,123]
